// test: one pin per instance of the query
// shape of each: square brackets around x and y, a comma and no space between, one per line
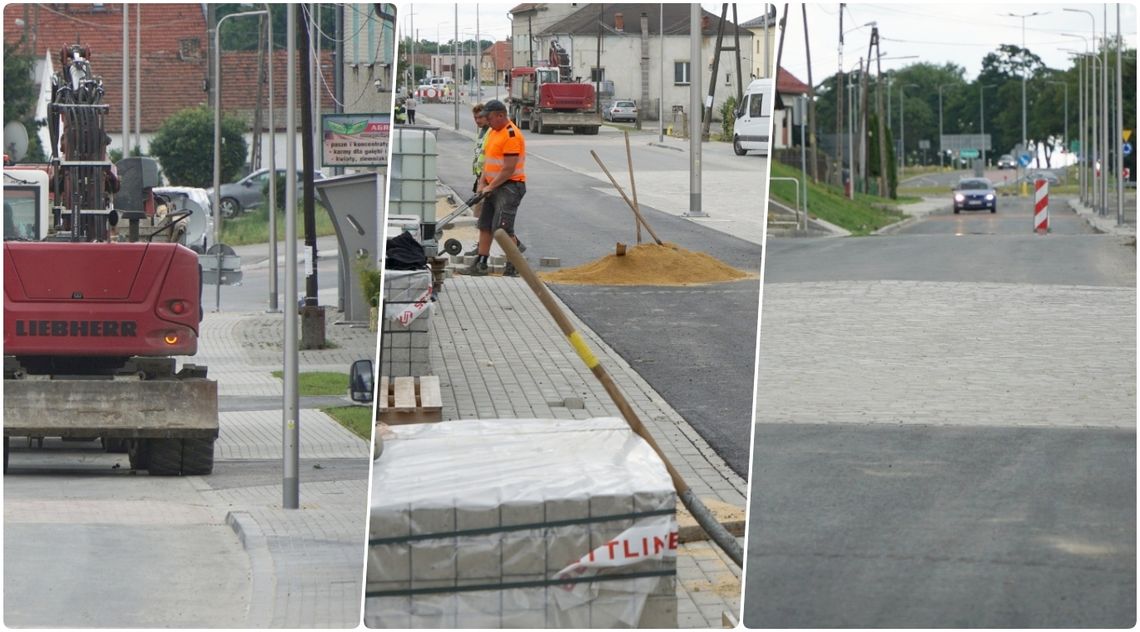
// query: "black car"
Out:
[975,194]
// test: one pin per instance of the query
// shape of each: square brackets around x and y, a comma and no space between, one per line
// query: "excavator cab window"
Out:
[547,75]
[21,222]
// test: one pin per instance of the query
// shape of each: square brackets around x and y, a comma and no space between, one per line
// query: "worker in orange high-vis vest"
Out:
[503,181]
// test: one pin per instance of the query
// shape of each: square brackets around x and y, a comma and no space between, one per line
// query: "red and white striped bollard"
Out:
[1041,207]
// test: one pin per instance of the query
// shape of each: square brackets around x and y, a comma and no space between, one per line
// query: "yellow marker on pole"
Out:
[583,350]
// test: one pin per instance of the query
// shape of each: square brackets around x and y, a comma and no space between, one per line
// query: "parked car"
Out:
[249,192]
[620,111]
[975,193]
[1006,162]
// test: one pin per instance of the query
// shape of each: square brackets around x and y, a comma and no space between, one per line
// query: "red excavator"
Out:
[95,319]
[547,98]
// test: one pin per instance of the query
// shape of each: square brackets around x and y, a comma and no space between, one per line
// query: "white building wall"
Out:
[621,59]
[533,22]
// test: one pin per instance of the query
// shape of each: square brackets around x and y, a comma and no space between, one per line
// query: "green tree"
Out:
[184,146]
[20,94]
[241,33]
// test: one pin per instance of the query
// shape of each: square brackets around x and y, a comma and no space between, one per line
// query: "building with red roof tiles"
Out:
[495,65]
[788,87]
[173,56]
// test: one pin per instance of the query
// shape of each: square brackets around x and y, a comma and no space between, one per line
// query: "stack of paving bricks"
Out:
[405,332]
[521,524]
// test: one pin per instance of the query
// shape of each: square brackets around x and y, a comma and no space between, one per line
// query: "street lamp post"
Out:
[902,119]
[1082,116]
[218,149]
[1062,83]
[982,117]
[941,151]
[1024,129]
[1097,116]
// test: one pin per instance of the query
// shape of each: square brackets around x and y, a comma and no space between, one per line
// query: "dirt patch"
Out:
[650,264]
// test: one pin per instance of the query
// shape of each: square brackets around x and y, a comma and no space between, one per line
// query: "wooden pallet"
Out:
[409,400]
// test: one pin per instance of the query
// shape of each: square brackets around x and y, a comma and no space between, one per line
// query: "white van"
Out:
[753,124]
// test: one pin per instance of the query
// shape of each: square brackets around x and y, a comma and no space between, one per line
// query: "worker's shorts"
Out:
[501,207]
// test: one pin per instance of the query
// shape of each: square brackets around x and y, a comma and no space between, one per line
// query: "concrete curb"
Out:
[822,224]
[663,146]
[263,578]
[1098,223]
[890,229]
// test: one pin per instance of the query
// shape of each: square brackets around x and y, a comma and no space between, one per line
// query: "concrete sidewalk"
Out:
[1107,223]
[306,564]
[499,354]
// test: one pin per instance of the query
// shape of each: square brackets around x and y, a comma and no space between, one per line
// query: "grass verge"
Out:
[319,383]
[862,216]
[358,419]
[253,227]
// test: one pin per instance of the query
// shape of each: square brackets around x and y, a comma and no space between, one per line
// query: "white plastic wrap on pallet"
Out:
[407,295]
[521,524]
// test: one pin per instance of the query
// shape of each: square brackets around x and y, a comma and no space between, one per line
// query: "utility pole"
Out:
[455,65]
[839,101]
[307,166]
[126,129]
[811,103]
[138,76]
[273,306]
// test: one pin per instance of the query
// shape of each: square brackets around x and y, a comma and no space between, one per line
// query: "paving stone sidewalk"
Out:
[499,354]
[957,354]
[307,563]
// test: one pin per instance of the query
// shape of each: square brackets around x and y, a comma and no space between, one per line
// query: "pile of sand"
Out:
[650,264]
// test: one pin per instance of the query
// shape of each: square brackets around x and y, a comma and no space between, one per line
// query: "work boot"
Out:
[509,270]
[477,268]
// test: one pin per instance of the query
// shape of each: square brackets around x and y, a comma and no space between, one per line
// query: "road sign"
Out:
[968,153]
[1126,148]
[1024,159]
[1127,135]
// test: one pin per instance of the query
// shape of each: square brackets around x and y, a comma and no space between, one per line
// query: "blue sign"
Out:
[1127,149]
[1025,159]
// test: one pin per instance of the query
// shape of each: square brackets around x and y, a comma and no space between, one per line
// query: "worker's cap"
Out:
[494,105]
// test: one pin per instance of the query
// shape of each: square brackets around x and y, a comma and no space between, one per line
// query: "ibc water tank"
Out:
[413,173]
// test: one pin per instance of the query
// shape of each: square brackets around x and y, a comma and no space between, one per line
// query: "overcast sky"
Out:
[934,32]
[943,32]
[493,21]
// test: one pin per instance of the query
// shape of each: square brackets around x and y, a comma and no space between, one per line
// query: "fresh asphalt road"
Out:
[973,246]
[694,345]
[879,504]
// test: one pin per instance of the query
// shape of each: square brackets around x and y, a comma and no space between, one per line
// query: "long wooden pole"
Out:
[632,206]
[632,186]
[725,540]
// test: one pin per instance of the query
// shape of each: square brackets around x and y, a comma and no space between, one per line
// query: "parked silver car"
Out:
[249,192]
[621,111]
